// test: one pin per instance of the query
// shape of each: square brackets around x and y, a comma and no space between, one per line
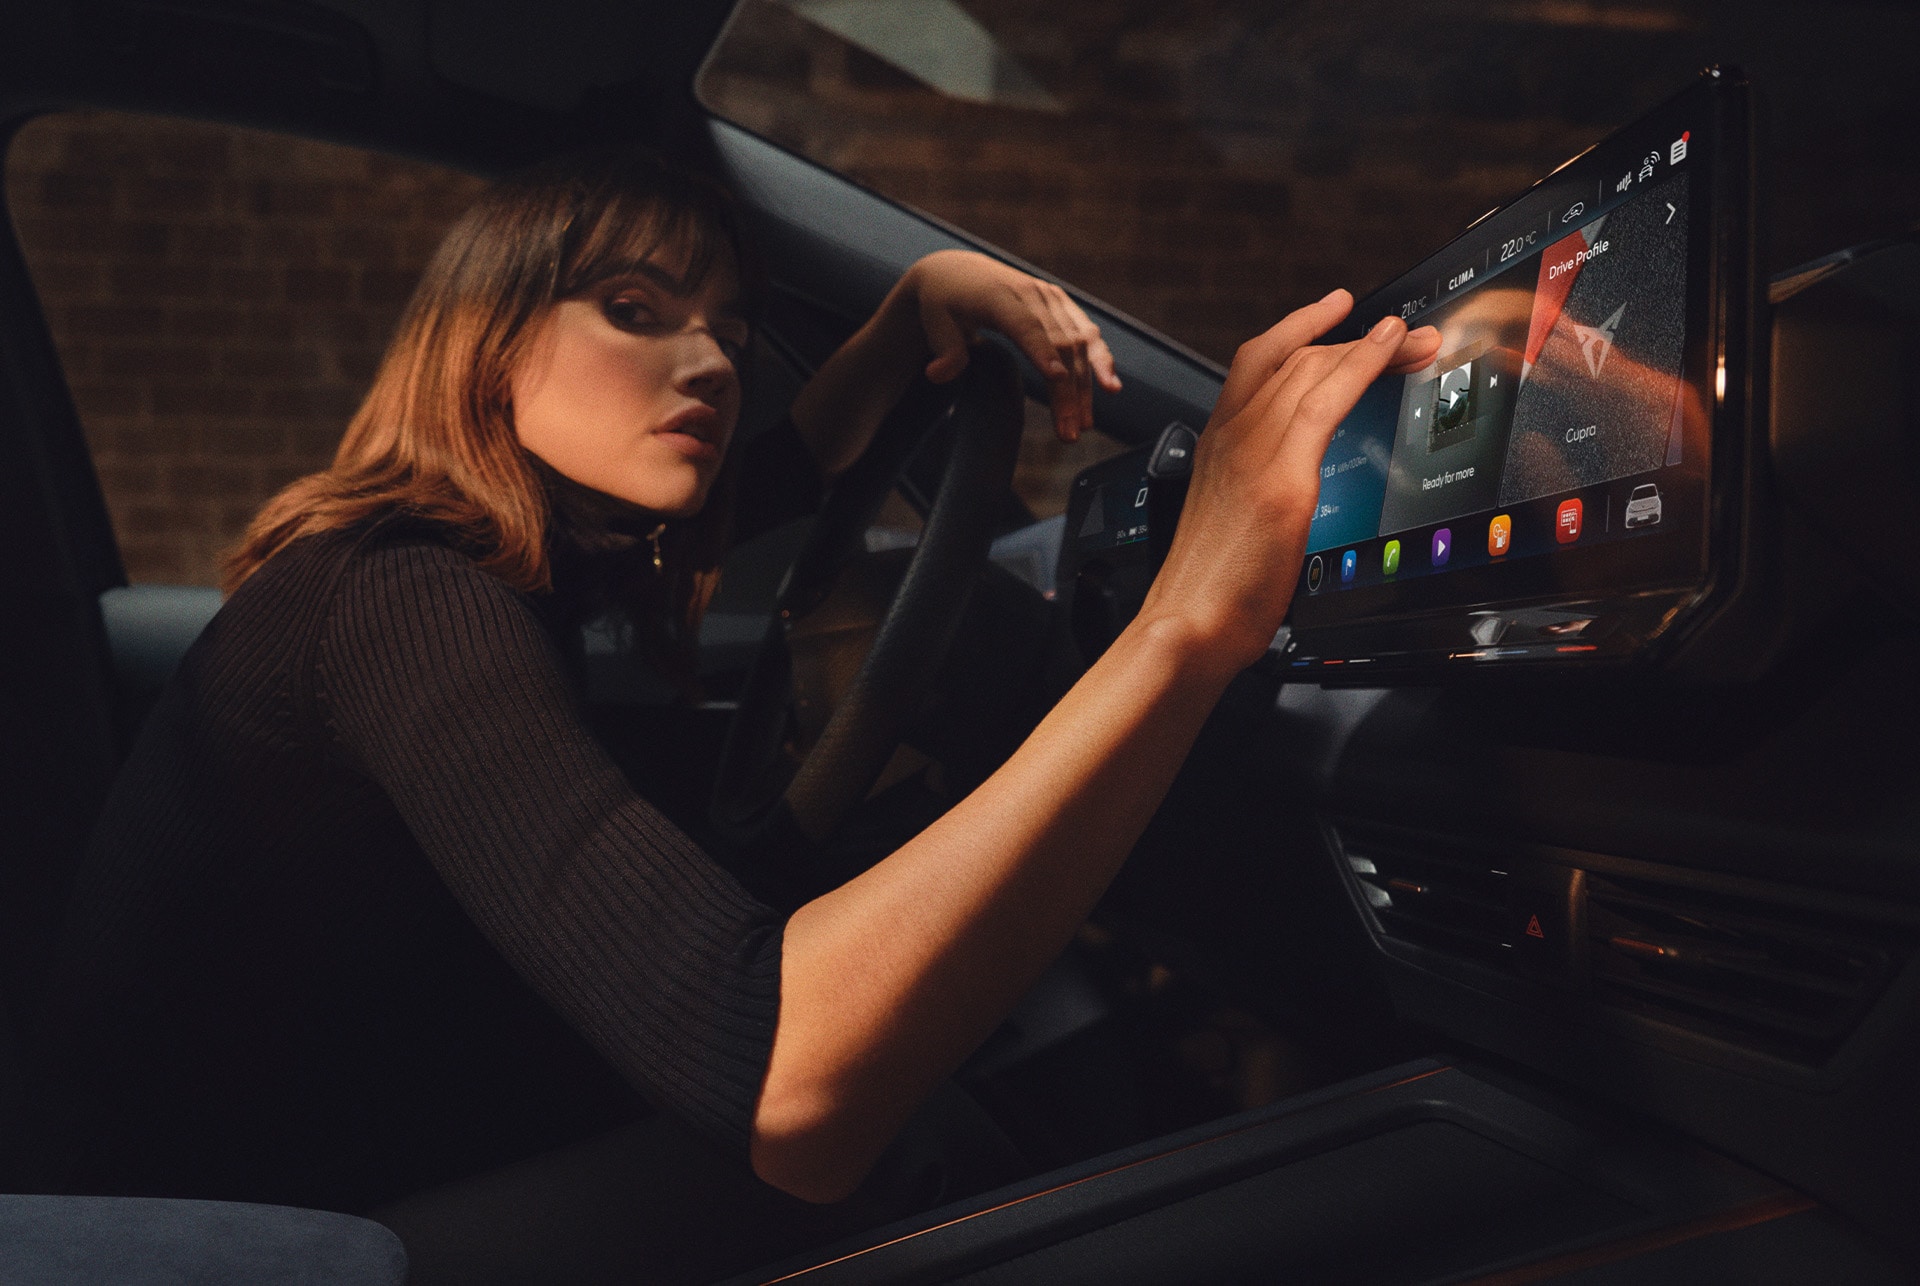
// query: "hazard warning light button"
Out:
[1542,906]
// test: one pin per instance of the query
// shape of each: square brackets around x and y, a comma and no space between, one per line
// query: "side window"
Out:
[219,298]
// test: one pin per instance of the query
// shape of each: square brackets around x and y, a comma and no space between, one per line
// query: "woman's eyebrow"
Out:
[734,306]
[652,272]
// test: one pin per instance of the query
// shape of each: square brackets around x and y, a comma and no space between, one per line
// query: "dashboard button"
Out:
[1173,454]
[1543,910]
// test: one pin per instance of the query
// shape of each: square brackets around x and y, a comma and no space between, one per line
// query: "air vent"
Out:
[1778,978]
[1447,902]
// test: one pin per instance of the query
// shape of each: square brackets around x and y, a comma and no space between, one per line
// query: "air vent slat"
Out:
[1759,1017]
[1731,922]
[1754,966]
[1440,902]
[1777,977]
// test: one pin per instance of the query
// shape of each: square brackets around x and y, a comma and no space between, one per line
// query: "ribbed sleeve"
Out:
[438,681]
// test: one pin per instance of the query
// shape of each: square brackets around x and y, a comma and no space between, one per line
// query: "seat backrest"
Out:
[13,1104]
[149,628]
[58,754]
[59,1241]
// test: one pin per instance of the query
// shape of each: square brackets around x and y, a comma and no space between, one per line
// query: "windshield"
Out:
[1206,167]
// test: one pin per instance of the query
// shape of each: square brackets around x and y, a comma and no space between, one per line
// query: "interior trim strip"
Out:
[1732,1219]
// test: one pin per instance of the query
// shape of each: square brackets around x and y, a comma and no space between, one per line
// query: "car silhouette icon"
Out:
[1643,506]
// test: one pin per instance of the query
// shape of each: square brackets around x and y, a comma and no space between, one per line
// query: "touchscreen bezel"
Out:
[1638,594]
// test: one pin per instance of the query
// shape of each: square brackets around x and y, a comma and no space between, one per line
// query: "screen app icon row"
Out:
[1569,520]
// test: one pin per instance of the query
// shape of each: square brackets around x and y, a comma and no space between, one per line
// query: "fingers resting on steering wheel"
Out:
[1060,339]
[963,292]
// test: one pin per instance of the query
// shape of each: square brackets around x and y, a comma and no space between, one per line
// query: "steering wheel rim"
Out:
[754,801]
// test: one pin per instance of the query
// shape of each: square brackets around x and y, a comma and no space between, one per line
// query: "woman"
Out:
[370,908]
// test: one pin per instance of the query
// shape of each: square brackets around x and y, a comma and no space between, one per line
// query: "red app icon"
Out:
[1566,527]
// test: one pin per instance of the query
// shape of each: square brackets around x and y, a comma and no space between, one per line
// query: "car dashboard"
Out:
[1670,899]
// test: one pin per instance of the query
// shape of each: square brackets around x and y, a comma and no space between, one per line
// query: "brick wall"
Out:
[219,298]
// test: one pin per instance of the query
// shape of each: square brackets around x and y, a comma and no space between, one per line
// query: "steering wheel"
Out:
[756,798]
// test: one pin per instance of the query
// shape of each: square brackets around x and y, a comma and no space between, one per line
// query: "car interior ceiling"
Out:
[1422,1108]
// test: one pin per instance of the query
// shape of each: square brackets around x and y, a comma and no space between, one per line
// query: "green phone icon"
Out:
[1390,560]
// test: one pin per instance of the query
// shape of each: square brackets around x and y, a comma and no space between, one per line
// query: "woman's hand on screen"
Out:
[1256,477]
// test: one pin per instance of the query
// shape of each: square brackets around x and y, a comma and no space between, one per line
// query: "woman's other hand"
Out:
[1256,477]
[925,325]
[960,293]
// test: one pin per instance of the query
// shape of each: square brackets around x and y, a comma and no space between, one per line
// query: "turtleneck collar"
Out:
[598,521]
[600,551]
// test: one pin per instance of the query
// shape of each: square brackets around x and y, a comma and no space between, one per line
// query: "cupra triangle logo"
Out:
[1597,341]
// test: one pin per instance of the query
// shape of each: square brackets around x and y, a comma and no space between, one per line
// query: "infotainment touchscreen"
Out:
[1524,496]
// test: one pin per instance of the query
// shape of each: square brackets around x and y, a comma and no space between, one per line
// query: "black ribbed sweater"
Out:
[369,907]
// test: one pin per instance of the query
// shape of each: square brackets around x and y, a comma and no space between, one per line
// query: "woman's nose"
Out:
[705,366]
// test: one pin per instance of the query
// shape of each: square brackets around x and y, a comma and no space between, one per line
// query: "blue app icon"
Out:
[1442,546]
[1349,564]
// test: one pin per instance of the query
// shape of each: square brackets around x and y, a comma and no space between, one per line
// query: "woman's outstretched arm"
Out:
[889,981]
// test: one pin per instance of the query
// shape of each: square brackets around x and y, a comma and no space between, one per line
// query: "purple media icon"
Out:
[1442,546]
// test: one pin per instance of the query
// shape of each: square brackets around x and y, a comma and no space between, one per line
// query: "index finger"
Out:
[1260,357]
[1321,407]
[1417,351]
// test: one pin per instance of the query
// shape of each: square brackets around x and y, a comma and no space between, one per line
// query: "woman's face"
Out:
[630,387]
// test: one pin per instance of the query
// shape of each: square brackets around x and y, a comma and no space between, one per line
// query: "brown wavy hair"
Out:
[434,441]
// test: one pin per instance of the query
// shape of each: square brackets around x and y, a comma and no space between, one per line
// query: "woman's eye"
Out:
[628,312]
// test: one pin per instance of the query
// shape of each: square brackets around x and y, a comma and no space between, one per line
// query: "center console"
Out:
[1424,1172]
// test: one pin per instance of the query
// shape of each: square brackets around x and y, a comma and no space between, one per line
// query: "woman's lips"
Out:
[694,433]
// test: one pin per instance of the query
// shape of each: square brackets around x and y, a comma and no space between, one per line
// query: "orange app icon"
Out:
[1499,535]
